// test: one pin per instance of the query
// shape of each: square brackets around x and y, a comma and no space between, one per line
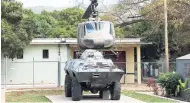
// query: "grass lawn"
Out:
[31,96]
[39,96]
[145,98]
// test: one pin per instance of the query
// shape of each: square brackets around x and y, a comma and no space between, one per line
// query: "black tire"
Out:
[101,94]
[76,90]
[115,91]
[68,82]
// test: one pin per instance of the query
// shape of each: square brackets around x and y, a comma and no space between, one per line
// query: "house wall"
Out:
[20,71]
[64,57]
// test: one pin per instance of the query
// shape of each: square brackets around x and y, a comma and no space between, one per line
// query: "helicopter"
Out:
[95,33]
[91,71]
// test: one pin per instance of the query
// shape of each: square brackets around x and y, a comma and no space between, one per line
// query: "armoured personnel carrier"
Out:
[91,71]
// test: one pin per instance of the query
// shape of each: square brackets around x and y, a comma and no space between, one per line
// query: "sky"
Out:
[61,3]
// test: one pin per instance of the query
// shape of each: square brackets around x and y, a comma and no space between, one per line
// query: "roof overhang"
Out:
[73,41]
[185,57]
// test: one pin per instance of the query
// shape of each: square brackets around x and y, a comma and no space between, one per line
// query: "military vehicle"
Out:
[91,71]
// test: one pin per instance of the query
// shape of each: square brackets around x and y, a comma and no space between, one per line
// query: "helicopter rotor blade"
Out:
[90,10]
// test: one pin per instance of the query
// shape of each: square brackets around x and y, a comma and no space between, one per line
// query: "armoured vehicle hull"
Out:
[92,73]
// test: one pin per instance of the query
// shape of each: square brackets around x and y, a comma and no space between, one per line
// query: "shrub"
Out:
[182,86]
[186,95]
[151,83]
[169,82]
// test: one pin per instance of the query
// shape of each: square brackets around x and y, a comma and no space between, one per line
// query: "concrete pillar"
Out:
[59,72]
[72,52]
[139,64]
[130,78]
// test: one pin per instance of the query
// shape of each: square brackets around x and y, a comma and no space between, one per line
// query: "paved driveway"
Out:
[92,99]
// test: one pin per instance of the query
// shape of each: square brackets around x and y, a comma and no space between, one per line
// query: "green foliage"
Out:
[150,26]
[182,86]
[169,81]
[12,11]
[119,32]
[178,18]
[67,21]
[31,96]
[146,98]
[13,35]
[148,32]
[153,32]
[20,25]
[186,95]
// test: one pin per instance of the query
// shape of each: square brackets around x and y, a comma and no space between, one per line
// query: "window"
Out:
[20,54]
[90,27]
[45,53]
[105,27]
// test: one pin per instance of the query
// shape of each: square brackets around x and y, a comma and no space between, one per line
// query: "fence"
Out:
[152,69]
[147,69]
[27,74]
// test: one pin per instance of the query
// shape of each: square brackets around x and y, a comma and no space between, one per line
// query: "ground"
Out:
[39,95]
[92,98]
[135,87]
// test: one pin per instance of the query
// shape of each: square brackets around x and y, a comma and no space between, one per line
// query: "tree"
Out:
[144,19]
[178,20]
[67,21]
[20,25]
[127,12]
[14,37]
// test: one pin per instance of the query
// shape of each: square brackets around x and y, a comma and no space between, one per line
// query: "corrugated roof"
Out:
[185,57]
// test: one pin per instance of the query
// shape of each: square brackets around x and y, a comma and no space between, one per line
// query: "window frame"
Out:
[44,54]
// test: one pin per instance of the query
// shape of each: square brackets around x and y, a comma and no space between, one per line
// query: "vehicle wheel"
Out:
[101,94]
[68,82]
[76,90]
[115,91]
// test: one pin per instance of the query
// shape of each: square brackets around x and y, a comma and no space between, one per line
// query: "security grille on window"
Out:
[45,53]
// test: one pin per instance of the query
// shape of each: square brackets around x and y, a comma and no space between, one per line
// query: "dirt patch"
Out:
[135,87]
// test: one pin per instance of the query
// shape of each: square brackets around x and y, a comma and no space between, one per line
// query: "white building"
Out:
[39,63]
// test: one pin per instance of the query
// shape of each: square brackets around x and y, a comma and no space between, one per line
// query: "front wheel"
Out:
[68,86]
[101,94]
[115,91]
[76,90]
